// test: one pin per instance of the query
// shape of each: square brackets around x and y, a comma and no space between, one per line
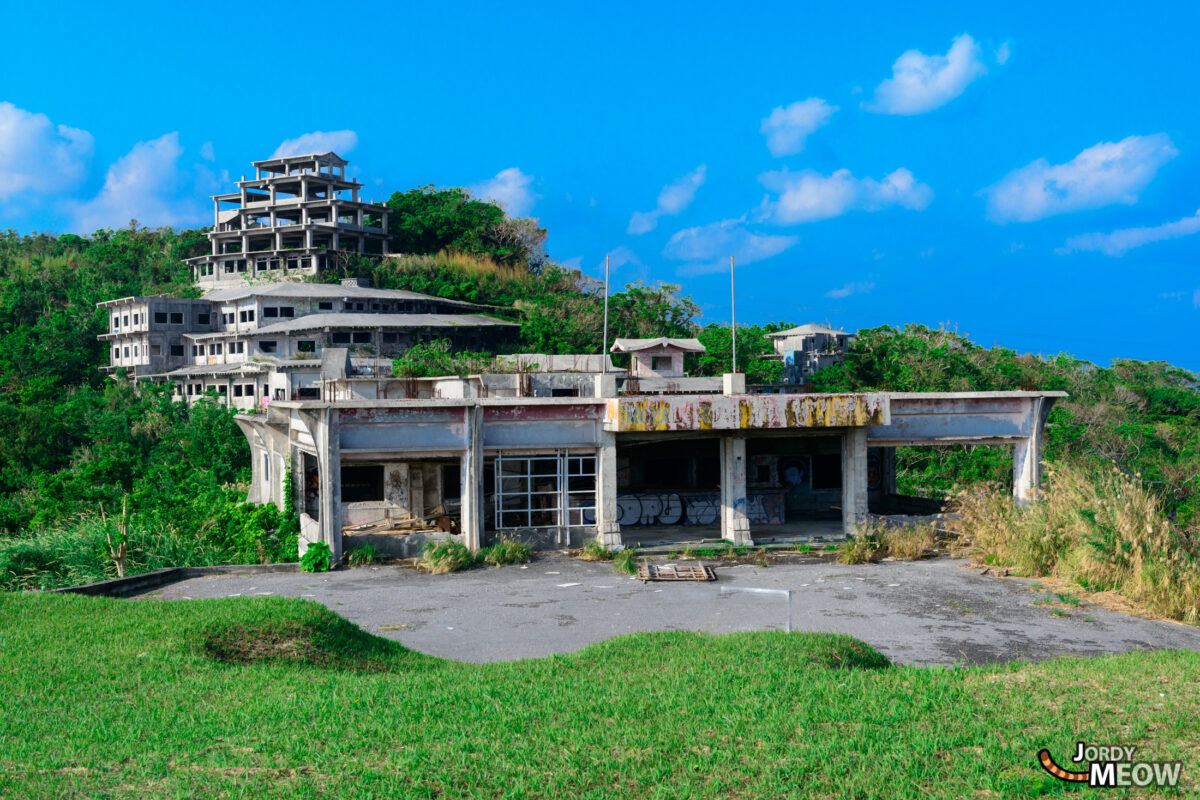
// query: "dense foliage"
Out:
[429,220]
[77,443]
[1144,417]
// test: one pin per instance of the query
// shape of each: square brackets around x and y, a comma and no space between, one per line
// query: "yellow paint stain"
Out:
[704,416]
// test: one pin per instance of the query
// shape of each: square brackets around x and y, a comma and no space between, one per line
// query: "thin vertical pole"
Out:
[604,344]
[733,312]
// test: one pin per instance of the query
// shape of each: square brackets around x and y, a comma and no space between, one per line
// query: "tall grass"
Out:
[77,553]
[873,540]
[1098,528]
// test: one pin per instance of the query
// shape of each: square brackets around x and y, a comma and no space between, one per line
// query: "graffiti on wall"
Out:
[674,508]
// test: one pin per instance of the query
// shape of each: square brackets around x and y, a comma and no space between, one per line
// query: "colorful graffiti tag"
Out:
[675,508]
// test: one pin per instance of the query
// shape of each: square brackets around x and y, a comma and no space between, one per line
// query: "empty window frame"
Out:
[661,363]
[306,346]
[160,318]
[287,311]
[545,491]
[202,319]
[362,484]
[323,306]
[268,346]
[176,317]
[340,337]
[361,337]
[177,350]
[270,311]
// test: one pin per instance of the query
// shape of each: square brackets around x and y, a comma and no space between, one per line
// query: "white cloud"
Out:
[808,196]
[707,248]
[511,189]
[340,142]
[1106,173]
[620,257]
[674,198]
[1120,242]
[37,156]
[146,184]
[921,83]
[787,128]
[1003,54]
[207,153]
[850,289]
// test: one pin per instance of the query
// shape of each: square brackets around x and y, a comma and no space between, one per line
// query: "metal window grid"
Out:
[533,491]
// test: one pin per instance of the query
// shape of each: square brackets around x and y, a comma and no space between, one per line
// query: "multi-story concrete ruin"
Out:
[296,214]
[554,449]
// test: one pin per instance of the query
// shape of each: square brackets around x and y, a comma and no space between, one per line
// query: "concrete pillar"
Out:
[854,479]
[1027,454]
[887,469]
[472,479]
[735,524]
[733,383]
[606,384]
[608,530]
[335,241]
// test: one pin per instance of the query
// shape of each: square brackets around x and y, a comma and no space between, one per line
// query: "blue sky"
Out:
[1025,173]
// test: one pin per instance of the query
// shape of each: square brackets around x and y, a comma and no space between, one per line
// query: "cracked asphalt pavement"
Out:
[924,612]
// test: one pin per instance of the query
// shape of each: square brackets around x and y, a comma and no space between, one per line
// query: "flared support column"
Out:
[608,530]
[329,477]
[1027,455]
[471,519]
[854,479]
[735,525]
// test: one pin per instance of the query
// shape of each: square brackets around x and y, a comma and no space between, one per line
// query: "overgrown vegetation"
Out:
[625,561]
[1142,417]
[363,555]
[506,551]
[1097,528]
[101,701]
[874,539]
[439,558]
[317,558]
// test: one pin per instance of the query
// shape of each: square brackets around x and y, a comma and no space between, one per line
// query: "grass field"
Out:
[282,698]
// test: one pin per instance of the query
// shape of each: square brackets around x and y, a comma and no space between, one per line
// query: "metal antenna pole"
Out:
[733,312]
[604,344]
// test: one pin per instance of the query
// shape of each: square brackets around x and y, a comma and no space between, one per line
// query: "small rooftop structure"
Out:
[657,358]
[805,349]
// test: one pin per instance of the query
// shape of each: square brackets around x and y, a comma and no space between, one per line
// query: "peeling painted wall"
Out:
[745,412]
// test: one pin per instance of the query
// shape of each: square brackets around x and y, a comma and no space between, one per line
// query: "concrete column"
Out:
[360,243]
[1027,455]
[335,241]
[608,530]
[854,479]
[329,463]
[472,480]
[735,525]
[733,383]
[887,469]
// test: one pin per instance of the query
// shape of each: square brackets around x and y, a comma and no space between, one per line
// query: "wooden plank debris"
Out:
[675,572]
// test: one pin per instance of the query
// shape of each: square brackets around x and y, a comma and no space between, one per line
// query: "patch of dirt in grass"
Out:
[241,645]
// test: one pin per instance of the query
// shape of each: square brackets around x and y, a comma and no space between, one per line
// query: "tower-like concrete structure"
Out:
[288,221]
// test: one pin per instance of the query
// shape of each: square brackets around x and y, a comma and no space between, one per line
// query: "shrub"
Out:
[862,547]
[594,551]
[317,558]
[625,561]
[363,555]
[908,542]
[1098,528]
[442,557]
[506,551]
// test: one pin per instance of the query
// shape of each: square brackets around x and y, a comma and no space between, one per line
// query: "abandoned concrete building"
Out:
[808,348]
[553,449]
[491,456]
[288,221]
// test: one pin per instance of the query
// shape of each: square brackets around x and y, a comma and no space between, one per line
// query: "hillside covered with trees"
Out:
[79,445]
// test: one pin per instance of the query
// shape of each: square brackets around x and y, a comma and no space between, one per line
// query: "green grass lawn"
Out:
[272,697]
